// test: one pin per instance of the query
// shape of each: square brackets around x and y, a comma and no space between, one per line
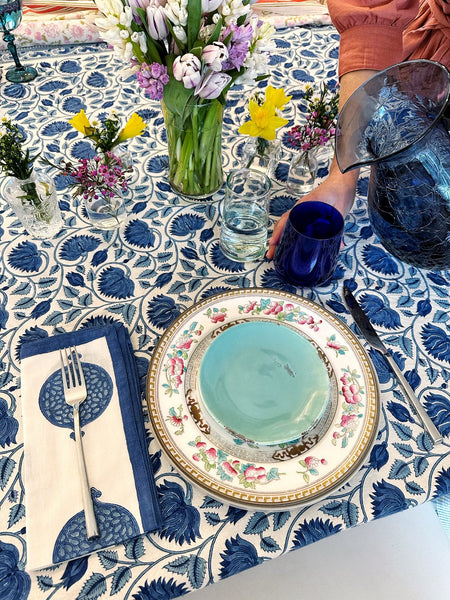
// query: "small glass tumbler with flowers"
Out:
[316,133]
[187,54]
[262,150]
[31,194]
[100,181]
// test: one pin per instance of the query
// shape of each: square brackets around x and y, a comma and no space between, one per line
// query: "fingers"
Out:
[276,235]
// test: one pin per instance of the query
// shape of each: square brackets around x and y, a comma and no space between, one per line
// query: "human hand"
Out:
[337,189]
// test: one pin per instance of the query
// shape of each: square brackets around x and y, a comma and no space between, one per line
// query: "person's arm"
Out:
[370,31]
[338,188]
[371,40]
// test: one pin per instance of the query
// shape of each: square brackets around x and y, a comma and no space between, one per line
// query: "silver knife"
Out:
[371,336]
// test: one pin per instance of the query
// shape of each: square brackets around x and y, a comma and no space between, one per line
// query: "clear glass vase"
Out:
[194,142]
[302,173]
[261,155]
[35,203]
[106,212]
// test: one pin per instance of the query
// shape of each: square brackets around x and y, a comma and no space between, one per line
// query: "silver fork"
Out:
[75,393]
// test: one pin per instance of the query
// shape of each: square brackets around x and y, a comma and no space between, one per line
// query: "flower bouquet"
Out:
[31,195]
[320,124]
[318,129]
[100,181]
[262,149]
[187,53]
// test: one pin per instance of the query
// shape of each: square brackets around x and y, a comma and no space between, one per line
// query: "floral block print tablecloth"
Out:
[163,260]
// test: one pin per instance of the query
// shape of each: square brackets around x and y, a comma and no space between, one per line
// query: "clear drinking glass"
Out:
[10,18]
[106,212]
[245,215]
[35,203]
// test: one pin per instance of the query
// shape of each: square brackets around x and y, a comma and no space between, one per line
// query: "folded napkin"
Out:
[117,459]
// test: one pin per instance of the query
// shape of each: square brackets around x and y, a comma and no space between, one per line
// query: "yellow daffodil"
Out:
[81,123]
[263,121]
[277,97]
[135,126]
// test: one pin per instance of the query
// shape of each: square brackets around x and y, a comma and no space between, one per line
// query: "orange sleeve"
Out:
[371,31]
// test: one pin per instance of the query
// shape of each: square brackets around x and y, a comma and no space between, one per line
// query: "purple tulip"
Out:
[187,68]
[212,85]
[214,55]
[134,4]
[156,21]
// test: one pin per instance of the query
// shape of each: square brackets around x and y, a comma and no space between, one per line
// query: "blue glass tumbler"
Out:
[308,251]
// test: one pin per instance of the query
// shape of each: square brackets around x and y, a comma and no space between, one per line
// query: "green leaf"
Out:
[214,37]
[194,10]
[176,96]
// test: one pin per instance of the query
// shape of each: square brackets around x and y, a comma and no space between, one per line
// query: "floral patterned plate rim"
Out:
[300,475]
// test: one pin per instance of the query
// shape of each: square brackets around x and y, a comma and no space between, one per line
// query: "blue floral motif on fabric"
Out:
[181,520]
[74,571]
[314,530]
[161,589]
[387,499]
[114,522]
[15,584]
[9,426]
[379,456]
[54,407]
[162,311]
[184,225]
[442,483]
[139,233]
[113,282]
[240,554]
[78,246]
[436,341]
[25,257]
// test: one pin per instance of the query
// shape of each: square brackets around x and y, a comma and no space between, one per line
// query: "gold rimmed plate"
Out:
[289,465]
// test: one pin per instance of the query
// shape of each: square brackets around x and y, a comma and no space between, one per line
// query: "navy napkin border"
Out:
[126,374]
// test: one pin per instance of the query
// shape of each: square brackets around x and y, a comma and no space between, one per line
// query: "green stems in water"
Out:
[195,148]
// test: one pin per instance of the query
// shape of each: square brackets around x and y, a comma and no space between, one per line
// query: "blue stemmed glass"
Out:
[308,252]
[10,18]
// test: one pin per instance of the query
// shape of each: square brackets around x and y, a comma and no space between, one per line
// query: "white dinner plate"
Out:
[290,468]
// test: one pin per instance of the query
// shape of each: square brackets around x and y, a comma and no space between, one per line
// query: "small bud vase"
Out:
[35,203]
[302,173]
[261,155]
[105,212]
[194,143]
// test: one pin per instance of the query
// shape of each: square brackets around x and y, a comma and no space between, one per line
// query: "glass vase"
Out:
[105,212]
[35,203]
[261,155]
[302,173]
[194,142]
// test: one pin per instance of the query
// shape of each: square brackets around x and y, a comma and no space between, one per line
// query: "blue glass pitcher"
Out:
[395,122]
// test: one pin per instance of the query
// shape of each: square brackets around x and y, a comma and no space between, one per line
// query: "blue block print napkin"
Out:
[117,459]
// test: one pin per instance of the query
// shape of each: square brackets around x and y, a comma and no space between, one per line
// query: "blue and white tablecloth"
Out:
[161,261]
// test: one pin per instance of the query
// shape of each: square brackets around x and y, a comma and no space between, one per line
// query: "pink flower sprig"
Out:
[320,120]
[103,176]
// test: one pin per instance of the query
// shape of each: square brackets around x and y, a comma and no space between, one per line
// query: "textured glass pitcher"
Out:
[396,123]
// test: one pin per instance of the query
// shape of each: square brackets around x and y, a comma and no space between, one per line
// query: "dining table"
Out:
[164,260]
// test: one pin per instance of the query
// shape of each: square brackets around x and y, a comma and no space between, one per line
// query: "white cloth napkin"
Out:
[117,459]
